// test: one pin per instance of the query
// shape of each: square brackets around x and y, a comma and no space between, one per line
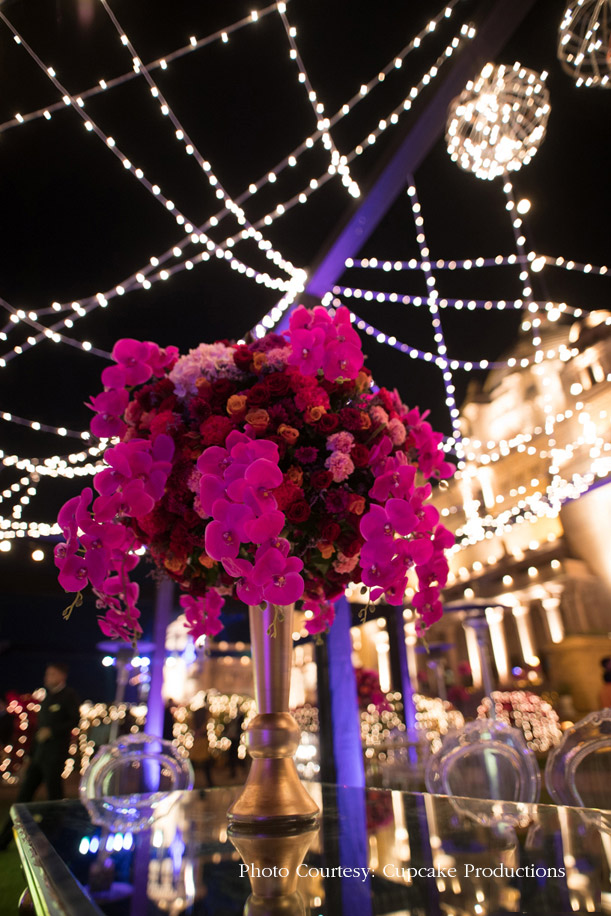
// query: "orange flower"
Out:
[295,475]
[326,549]
[258,419]
[236,405]
[363,381]
[313,414]
[206,561]
[259,360]
[365,420]
[356,504]
[289,433]
[174,564]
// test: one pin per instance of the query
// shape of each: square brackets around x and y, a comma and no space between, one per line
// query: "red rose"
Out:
[222,389]
[163,388]
[215,430]
[168,403]
[330,532]
[320,480]
[286,494]
[156,522]
[298,512]
[277,383]
[200,410]
[350,418]
[351,548]
[258,395]
[242,357]
[360,455]
[280,442]
[299,382]
[312,397]
[163,423]
[386,398]
[328,423]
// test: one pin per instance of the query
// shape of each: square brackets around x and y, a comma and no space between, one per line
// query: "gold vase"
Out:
[273,859]
[273,793]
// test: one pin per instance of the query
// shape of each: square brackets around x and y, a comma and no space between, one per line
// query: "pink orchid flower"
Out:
[266,527]
[398,482]
[279,577]
[324,615]
[109,406]
[226,532]
[246,590]
[260,480]
[202,614]
[342,360]
[307,350]
[118,625]
[132,356]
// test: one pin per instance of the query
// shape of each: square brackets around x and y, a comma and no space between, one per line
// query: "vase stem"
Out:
[271,656]
[273,793]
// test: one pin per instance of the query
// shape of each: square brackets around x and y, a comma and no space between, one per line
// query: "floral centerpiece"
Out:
[272,470]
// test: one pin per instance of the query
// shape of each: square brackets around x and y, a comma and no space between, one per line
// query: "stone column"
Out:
[525,633]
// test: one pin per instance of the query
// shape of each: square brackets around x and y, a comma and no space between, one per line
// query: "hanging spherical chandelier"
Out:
[584,42]
[497,123]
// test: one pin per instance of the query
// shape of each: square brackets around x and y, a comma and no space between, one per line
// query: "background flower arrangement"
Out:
[272,470]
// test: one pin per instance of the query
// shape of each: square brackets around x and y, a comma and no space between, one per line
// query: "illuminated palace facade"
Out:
[531,511]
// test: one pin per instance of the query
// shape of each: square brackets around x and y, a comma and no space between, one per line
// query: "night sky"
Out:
[76,223]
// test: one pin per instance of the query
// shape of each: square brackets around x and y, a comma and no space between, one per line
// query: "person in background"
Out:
[7,723]
[59,714]
[168,719]
[604,697]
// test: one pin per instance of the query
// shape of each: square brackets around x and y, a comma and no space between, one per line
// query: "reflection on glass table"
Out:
[133,781]
[374,852]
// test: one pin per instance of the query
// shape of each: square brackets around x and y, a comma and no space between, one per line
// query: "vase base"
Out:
[273,796]
[290,825]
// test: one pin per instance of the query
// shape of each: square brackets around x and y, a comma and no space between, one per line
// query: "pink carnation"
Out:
[276,359]
[379,416]
[340,442]
[396,431]
[340,465]
[345,564]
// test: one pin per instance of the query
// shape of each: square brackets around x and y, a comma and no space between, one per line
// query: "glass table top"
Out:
[375,851]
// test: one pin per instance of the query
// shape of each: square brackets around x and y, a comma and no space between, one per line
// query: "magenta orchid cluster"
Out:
[237,492]
[320,344]
[272,471]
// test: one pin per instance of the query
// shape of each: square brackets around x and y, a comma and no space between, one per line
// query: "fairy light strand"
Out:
[441,361]
[520,241]
[291,160]
[9,417]
[292,288]
[338,163]
[478,262]
[555,309]
[111,145]
[432,297]
[189,146]
[159,63]
[467,32]
[372,136]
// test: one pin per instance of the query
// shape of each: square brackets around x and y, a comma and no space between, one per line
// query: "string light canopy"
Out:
[162,267]
[157,269]
[498,122]
[584,42]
